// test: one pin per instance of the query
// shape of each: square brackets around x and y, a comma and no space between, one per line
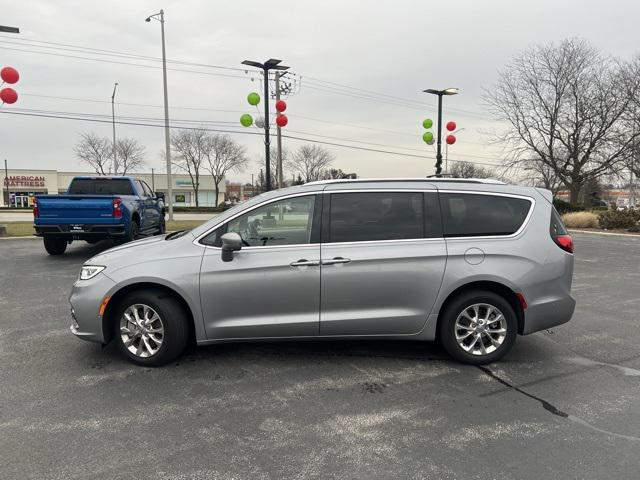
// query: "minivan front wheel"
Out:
[478,327]
[150,327]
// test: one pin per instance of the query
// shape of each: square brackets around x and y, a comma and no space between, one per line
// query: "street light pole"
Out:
[279,130]
[167,141]
[440,94]
[271,64]
[7,29]
[113,122]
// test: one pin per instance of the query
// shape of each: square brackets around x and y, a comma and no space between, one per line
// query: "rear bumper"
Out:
[89,231]
[547,313]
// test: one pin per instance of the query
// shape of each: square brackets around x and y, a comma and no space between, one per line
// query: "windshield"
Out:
[100,186]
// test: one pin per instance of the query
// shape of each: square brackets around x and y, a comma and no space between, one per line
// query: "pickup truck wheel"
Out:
[55,246]
[150,328]
[133,232]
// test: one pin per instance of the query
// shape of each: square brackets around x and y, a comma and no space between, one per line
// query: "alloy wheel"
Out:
[480,329]
[141,330]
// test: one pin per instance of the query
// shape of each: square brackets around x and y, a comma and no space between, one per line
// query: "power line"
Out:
[77,57]
[310,140]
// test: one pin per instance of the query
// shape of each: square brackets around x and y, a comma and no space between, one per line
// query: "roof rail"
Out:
[490,181]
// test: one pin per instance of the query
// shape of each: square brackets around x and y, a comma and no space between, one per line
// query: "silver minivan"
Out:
[470,263]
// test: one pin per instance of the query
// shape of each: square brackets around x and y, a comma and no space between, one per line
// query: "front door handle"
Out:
[303,262]
[335,261]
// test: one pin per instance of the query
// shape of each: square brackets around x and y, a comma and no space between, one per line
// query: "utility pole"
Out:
[153,180]
[6,182]
[113,122]
[279,130]
[167,142]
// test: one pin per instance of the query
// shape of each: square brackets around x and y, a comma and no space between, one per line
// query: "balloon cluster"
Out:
[9,75]
[253,99]
[451,139]
[427,136]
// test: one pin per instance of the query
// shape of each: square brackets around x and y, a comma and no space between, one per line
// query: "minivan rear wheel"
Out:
[478,327]
[150,327]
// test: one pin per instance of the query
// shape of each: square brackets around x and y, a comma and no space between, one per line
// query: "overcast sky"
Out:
[392,48]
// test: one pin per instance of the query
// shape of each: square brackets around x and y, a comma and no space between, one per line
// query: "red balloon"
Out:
[451,139]
[281,106]
[451,126]
[282,120]
[9,75]
[8,95]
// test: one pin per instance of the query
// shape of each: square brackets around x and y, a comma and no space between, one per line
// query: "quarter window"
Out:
[469,215]
[371,216]
[285,222]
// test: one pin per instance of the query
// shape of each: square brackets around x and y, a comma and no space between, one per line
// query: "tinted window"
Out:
[285,222]
[557,227]
[147,190]
[100,186]
[465,215]
[358,217]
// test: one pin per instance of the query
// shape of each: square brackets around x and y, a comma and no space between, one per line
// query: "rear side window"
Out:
[470,215]
[557,227]
[100,186]
[371,216]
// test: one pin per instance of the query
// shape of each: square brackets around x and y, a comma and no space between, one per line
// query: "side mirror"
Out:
[231,242]
[160,195]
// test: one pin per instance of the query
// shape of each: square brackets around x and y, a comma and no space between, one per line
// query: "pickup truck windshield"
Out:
[100,186]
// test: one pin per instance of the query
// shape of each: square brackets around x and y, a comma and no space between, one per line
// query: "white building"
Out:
[20,186]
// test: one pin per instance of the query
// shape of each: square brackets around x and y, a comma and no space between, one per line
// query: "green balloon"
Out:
[427,137]
[246,120]
[427,123]
[253,98]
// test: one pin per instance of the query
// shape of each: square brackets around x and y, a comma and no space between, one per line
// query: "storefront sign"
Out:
[24,181]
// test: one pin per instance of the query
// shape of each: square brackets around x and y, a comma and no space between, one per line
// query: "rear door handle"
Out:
[335,261]
[303,262]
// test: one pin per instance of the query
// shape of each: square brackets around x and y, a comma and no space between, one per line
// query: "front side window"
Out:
[371,216]
[284,222]
[471,215]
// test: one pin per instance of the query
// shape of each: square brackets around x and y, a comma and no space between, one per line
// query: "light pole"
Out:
[440,93]
[271,64]
[113,122]
[167,142]
[6,29]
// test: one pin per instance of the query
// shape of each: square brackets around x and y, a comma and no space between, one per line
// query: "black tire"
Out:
[447,327]
[55,246]
[162,229]
[134,232]
[173,320]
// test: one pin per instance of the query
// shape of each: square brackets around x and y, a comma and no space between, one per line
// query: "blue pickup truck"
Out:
[97,208]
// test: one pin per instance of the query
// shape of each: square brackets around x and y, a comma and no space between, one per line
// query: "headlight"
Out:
[90,271]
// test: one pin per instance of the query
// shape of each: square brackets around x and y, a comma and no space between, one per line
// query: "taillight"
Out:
[117,208]
[565,242]
[36,211]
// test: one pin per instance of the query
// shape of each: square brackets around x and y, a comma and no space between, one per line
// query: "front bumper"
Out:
[85,299]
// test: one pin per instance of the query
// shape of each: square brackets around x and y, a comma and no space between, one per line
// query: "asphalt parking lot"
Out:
[563,404]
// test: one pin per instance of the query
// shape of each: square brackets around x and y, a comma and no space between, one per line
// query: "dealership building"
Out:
[20,186]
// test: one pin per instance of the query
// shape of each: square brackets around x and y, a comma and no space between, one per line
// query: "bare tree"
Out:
[130,156]
[191,147]
[223,155]
[470,170]
[96,152]
[310,162]
[565,105]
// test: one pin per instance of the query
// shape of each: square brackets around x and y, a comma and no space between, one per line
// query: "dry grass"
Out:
[580,220]
[25,229]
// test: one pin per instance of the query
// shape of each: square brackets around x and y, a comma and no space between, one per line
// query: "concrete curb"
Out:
[571,230]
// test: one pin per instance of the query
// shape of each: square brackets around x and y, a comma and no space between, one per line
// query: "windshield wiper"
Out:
[176,234]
